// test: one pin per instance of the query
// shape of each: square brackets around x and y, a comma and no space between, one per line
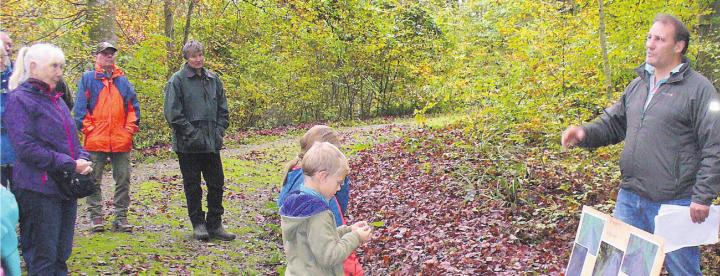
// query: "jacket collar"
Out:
[100,73]
[40,87]
[674,77]
[190,72]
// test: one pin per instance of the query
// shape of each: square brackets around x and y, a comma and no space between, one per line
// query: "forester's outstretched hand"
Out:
[572,136]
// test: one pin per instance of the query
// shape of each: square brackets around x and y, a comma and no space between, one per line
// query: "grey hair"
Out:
[191,46]
[40,52]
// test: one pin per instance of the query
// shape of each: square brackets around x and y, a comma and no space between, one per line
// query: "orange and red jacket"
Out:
[107,111]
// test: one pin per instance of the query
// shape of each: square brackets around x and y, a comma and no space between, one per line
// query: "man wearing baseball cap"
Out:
[108,113]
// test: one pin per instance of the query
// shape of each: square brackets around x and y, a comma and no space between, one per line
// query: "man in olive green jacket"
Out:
[196,109]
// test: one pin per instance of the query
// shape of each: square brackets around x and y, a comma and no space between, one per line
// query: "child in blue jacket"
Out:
[313,243]
[294,177]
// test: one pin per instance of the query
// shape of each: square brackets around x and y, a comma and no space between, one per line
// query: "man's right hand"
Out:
[572,136]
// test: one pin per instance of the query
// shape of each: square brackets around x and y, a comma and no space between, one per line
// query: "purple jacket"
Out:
[42,132]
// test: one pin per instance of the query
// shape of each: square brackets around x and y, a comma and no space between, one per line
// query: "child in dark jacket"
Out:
[294,177]
[313,244]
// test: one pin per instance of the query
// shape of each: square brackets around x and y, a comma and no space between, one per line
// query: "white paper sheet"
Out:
[673,223]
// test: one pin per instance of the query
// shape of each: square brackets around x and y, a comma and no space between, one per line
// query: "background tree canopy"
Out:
[524,67]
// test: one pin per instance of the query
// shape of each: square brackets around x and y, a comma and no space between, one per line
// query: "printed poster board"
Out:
[607,246]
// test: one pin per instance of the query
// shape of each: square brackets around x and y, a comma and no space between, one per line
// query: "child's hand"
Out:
[358,225]
[364,232]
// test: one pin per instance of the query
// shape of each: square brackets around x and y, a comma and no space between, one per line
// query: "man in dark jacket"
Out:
[669,119]
[196,109]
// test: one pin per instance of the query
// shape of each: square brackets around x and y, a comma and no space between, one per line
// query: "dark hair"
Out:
[681,32]
[191,46]
[67,96]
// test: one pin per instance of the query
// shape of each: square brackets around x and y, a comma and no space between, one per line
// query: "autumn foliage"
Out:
[444,206]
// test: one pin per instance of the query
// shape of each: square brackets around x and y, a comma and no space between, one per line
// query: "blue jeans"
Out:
[640,212]
[47,225]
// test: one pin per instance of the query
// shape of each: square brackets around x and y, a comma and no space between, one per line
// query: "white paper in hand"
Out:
[673,223]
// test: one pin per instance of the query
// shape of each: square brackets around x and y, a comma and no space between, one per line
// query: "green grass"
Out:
[442,120]
[163,244]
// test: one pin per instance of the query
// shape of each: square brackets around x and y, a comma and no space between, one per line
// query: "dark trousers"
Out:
[47,223]
[6,172]
[192,165]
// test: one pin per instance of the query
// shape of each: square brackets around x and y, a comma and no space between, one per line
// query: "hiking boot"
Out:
[97,225]
[220,234]
[121,225]
[200,232]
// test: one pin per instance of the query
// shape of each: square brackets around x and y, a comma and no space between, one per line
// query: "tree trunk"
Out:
[170,34]
[187,21]
[350,99]
[101,19]
[709,36]
[603,46]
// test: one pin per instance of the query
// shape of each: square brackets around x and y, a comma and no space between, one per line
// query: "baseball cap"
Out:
[102,46]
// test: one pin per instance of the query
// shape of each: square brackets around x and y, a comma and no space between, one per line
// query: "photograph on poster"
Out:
[608,260]
[590,232]
[577,260]
[639,257]
[607,246]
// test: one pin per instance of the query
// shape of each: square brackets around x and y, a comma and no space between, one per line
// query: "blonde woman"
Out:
[42,134]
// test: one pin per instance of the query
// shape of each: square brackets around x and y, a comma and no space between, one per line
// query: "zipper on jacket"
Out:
[642,116]
[642,122]
[67,129]
[110,123]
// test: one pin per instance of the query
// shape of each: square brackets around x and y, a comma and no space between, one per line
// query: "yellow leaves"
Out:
[424,70]
[531,125]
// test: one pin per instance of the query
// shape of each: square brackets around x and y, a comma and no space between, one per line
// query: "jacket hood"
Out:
[299,205]
[297,209]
